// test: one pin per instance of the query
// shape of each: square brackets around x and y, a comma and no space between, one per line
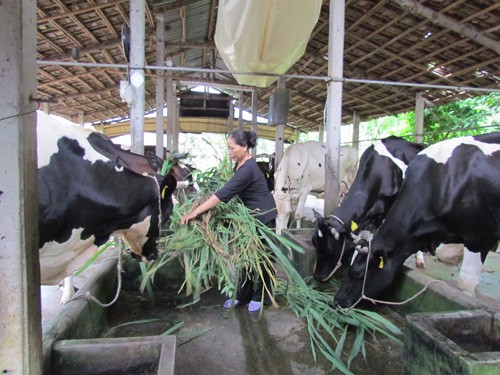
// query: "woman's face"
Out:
[236,152]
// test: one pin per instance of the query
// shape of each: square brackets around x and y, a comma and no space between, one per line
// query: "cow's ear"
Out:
[379,258]
[167,186]
[154,161]
[317,215]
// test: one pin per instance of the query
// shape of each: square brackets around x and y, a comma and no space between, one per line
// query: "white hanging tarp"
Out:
[264,36]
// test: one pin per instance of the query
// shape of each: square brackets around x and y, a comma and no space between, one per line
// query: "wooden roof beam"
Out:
[80,11]
[450,23]
[83,51]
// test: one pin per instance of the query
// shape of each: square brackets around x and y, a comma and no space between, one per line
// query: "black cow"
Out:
[84,198]
[373,191]
[451,193]
[267,167]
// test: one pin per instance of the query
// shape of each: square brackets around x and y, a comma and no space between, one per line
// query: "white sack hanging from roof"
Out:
[264,36]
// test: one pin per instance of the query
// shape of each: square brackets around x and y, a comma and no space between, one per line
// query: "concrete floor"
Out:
[213,340]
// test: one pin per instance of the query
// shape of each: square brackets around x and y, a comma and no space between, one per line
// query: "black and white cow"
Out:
[451,194]
[379,177]
[84,198]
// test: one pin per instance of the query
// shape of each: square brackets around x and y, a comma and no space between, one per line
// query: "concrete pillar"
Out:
[334,105]
[137,79]
[278,116]
[81,119]
[355,130]
[160,82]
[20,320]
[170,107]
[254,117]
[419,118]
[240,106]
[175,118]
[46,108]
[230,118]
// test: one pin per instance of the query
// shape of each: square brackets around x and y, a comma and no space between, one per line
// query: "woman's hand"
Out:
[205,206]
[188,217]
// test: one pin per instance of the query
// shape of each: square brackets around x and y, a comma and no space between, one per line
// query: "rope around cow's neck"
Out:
[89,297]
[375,301]
[339,262]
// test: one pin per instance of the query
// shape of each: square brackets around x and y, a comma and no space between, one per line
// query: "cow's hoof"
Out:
[420,264]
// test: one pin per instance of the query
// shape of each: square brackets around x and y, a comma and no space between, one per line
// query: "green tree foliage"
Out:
[472,116]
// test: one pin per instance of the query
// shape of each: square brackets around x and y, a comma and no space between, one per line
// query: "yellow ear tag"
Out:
[381,264]
[163,192]
[354,226]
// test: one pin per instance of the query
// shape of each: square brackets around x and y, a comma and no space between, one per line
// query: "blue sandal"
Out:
[254,306]
[231,303]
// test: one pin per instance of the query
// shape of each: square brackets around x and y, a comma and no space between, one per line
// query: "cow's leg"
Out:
[299,212]
[419,259]
[470,271]
[68,289]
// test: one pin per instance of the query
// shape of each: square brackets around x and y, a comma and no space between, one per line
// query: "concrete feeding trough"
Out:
[130,355]
[72,343]
[303,263]
[460,342]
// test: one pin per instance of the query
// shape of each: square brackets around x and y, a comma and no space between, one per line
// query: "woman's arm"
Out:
[205,206]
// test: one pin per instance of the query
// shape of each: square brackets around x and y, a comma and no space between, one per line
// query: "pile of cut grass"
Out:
[219,245]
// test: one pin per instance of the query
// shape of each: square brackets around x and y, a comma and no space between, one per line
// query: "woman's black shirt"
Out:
[249,184]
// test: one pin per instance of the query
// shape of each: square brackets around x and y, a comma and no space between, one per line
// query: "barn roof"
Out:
[442,43]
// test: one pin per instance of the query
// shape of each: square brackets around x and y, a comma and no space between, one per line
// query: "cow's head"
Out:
[142,237]
[380,273]
[328,240]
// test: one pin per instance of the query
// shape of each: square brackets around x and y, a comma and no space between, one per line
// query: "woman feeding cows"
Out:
[249,184]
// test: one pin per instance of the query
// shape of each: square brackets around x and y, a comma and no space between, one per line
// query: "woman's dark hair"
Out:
[244,137]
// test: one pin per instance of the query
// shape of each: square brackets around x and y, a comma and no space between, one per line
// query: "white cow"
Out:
[302,171]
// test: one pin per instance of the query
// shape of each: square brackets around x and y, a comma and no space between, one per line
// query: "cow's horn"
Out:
[182,184]
[354,256]
[362,250]
[180,155]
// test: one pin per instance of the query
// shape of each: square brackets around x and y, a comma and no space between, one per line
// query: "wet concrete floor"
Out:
[212,340]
